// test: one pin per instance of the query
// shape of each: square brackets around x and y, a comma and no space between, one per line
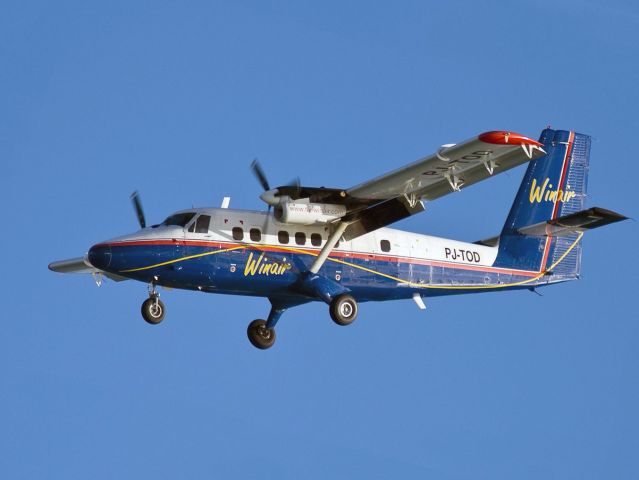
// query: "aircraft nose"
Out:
[100,256]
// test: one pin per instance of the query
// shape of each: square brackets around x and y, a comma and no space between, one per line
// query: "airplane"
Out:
[333,245]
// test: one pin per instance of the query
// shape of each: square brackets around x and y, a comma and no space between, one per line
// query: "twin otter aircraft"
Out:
[331,245]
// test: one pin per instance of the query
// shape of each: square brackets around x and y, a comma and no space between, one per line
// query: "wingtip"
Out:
[54,266]
[503,137]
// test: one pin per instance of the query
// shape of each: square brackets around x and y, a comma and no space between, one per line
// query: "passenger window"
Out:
[202,224]
[238,233]
[192,227]
[300,238]
[282,236]
[385,245]
[255,234]
[316,239]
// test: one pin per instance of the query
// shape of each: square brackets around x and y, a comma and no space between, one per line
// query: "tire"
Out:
[153,310]
[343,309]
[260,336]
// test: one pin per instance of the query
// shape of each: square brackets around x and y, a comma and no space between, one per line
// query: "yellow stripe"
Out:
[399,280]
[181,259]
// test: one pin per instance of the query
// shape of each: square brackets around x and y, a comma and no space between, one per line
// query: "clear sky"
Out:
[175,99]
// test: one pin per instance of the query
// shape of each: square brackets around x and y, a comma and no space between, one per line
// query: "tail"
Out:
[544,227]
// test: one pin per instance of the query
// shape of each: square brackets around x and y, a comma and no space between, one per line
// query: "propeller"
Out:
[268,196]
[295,183]
[273,197]
[137,206]
[257,170]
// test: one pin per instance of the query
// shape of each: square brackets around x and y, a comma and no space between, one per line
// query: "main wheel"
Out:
[260,336]
[153,310]
[343,309]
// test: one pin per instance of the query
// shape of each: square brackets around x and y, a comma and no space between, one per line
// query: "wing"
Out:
[80,265]
[452,167]
[398,194]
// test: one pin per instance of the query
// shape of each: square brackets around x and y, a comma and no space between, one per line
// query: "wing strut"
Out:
[328,248]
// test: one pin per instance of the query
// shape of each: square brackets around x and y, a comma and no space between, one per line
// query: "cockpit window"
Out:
[179,219]
[202,224]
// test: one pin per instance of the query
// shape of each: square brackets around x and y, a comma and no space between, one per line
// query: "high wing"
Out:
[398,194]
[452,167]
[80,265]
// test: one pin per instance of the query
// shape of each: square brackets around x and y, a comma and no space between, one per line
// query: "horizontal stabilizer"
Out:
[73,265]
[575,222]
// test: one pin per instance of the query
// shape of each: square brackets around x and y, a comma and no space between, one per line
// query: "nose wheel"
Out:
[260,335]
[153,310]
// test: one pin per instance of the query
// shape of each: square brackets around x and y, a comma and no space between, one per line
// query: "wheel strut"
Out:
[273,316]
[153,309]
[153,293]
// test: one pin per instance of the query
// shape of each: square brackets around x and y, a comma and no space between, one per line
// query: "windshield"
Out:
[179,219]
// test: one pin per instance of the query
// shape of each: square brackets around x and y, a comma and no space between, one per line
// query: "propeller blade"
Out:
[257,170]
[137,206]
[295,183]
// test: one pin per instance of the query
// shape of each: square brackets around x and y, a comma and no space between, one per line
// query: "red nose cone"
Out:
[501,137]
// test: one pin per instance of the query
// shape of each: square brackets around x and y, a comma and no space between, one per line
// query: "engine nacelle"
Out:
[308,213]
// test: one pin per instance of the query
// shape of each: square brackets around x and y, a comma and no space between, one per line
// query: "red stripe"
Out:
[562,178]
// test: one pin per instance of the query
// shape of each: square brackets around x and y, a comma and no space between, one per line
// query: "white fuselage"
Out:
[384,241]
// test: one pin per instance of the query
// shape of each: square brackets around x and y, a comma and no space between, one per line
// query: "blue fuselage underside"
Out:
[268,271]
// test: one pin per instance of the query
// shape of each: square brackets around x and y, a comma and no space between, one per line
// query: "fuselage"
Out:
[247,252]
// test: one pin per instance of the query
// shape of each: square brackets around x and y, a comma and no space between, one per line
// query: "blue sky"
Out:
[175,99]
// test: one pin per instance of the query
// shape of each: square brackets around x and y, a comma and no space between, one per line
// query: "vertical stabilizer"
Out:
[554,185]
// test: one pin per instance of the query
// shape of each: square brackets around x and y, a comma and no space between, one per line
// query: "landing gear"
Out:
[260,335]
[152,308]
[343,309]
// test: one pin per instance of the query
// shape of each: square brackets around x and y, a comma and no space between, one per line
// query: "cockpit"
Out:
[178,219]
[201,224]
